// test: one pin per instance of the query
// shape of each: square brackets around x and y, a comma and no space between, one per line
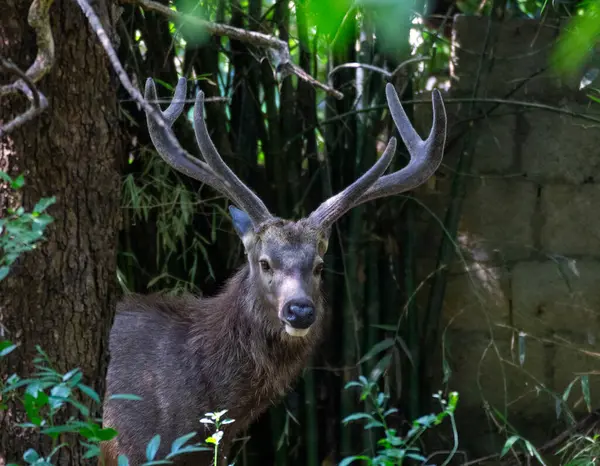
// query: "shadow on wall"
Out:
[521,325]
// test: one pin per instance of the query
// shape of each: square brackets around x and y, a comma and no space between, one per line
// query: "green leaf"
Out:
[356,417]
[396,453]
[417,457]
[508,444]
[391,328]
[43,204]
[353,383]
[352,459]
[178,442]
[165,84]
[380,367]
[373,424]
[58,395]
[61,429]
[105,434]
[152,447]
[32,408]
[585,388]
[427,420]
[594,98]
[69,374]
[89,392]
[6,346]
[4,271]
[92,451]
[125,396]
[123,461]
[31,456]
[577,40]
[377,348]
[4,177]
[18,182]
[533,451]
[82,409]
[188,449]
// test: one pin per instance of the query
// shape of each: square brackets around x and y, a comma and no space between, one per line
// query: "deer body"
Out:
[241,349]
[187,356]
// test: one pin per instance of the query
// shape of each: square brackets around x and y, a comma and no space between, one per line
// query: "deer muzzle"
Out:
[298,315]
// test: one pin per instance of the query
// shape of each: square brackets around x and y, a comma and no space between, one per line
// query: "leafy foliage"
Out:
[580,37]
[20,231]
[47,392]
[395,448]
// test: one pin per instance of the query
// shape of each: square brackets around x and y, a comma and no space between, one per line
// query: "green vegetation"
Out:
[20,231]
[295,144]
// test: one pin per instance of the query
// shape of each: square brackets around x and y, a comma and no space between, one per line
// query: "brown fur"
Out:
[186,356]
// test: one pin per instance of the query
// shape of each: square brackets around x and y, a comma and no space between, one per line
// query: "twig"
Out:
[279,50]
[159,119]
[121,73]
[37,99]
[377,69]
[39,19]
[454,100]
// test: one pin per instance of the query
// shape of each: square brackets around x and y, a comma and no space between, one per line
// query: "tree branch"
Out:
[279,50]
[156,115]
[37,99]
[39,19]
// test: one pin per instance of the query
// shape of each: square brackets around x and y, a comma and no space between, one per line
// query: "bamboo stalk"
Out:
[312,426]
[412,325]
[349,326]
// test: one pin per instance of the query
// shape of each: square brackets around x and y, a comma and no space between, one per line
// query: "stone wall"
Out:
[522,305]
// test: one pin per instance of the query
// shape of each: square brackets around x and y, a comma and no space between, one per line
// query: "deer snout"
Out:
[299,315]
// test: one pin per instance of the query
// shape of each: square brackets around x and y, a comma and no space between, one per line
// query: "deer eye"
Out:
[318,269]
[264,265]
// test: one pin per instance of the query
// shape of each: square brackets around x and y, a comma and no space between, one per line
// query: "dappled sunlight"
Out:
[475,296]
[8,198]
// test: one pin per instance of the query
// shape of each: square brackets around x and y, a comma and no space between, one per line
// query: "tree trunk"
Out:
[61,296]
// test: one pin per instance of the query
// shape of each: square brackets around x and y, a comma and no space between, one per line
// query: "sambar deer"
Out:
[241,349]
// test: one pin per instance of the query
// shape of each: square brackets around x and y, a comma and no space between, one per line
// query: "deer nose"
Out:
[299,313]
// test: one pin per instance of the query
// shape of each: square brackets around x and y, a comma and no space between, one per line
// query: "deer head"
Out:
[285,258]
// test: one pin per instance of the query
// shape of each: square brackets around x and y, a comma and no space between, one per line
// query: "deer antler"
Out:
[215,171]
[425,158]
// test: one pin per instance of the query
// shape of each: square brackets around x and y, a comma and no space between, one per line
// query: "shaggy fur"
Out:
[187,356]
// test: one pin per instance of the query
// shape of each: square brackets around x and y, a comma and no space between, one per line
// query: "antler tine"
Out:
[174,154]
[171,153]
[177,103]
[246,199]
[425,156]
[334,207]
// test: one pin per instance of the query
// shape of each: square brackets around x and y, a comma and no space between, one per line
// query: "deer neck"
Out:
[236,339]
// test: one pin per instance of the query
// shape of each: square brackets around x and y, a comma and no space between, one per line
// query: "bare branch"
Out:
[39,19]
[386,73]
[280,52]
[156,115]
[37,99]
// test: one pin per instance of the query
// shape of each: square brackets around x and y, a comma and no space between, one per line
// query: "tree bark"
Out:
[62,295]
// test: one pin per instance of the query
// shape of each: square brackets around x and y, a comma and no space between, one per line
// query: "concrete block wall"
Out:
[522,306]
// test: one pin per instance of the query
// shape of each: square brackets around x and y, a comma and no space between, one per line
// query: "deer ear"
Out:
[241,221]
